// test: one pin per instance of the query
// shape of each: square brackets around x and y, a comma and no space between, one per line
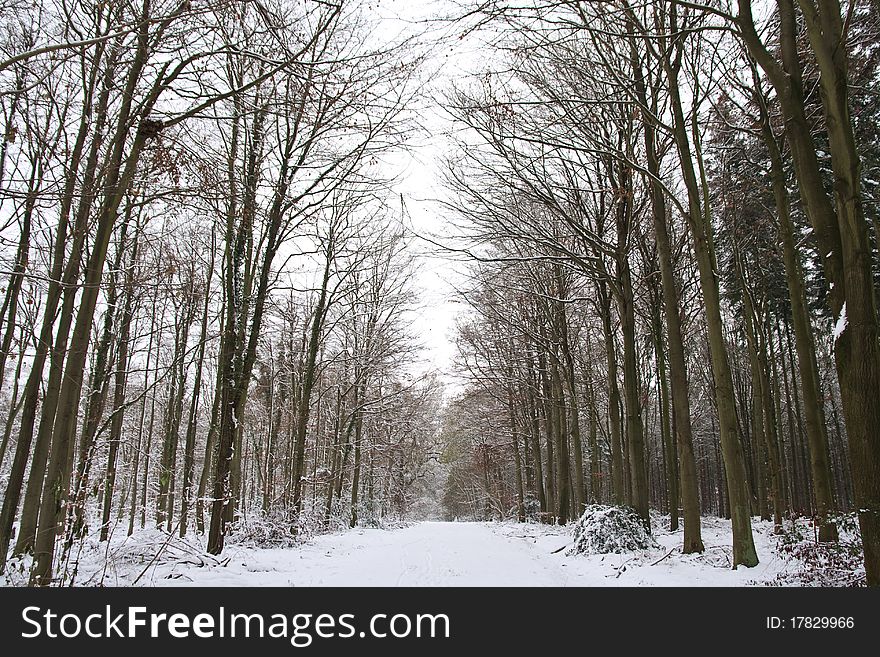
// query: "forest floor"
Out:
[426,554]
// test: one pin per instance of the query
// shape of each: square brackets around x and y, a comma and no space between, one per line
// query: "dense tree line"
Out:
[206,296]
[670,211]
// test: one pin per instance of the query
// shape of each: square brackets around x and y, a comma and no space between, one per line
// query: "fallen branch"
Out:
[663,557]
[156,556]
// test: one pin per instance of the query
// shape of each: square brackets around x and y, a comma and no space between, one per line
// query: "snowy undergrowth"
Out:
[822,564]
[279,529]
[794,559]
[121,561]
[453,554]
[151,556]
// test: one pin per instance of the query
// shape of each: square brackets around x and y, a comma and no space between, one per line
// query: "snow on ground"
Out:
[428,554]
[665,566]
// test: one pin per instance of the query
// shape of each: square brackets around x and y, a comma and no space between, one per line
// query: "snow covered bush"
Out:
[603,529]
[261,533]
[371,518]
[273,530]
[532,507]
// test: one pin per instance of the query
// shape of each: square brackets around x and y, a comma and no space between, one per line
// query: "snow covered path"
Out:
[424,554]
[431,554]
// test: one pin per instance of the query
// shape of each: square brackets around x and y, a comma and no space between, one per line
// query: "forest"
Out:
[663,218]
[672,212]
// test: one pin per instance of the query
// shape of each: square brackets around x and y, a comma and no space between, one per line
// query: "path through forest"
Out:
[434,554]
[429,554]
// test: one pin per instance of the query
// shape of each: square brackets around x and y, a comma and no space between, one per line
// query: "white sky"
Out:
[420,183]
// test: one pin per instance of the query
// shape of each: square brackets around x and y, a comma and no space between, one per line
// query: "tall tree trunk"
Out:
[563,465]
[814,410]
[308,381]
[174,412]
[210,459]
[667,444]
[238,353]
[551,418]
[98,390]
[634,429]
[9,309]
[764,426]
[617,488]
[678,376]
[535,429]
[119,391]
[595,456]
[517,459]
[358,435]
[579,490]
[701,231]
[190,440]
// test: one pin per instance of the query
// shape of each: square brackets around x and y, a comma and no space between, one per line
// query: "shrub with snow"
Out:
[277,529]
[604,529]
[532,507]
[811,563]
